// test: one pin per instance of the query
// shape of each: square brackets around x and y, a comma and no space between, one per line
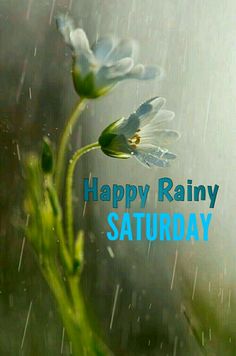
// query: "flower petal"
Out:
[163,116]
[103,47]
[80,41]
[145,73]
[145,113]
[149,160]
[148,110]
[159,137]
[152,121]
[65,25]
[129,127]
[110,75]
[158,152]
[125,48]
[151,72]
[151,105]
[120,68]
[75,38]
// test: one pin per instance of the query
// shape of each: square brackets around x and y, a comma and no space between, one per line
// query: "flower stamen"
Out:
[135,140]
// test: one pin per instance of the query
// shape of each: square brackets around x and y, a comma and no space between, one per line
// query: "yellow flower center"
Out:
[135,140]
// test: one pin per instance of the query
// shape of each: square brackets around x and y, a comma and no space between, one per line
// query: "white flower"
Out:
[140,135]
[98,68]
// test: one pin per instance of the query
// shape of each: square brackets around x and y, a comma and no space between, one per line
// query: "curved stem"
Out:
[64,141]
[69,184]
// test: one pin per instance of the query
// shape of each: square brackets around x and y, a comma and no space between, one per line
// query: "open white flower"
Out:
[98,68]
[140,135]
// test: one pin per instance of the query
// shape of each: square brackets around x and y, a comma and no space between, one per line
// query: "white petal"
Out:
[146,73]
[79,40]
[103,47]
[120,68]
[156,151]
[137,71]
[75,38]
[65,26]
[159,137]
[163,116]
[129,127]
[148,110]
[150,106]
[152,121]
[125,48]
[151,72]
[149,160]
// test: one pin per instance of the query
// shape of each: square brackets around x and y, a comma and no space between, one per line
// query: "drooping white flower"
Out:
[140,135]
[97,69]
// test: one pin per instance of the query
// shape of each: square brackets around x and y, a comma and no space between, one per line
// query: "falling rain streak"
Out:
[114,305]
[26,325]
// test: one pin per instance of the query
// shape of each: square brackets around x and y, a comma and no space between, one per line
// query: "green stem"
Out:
[80,315]
[71,324]
[73,313]
[69,186]
[93,346]
[64,253]
[64,141]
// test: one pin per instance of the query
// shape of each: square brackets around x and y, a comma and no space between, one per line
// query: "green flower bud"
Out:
[79,251]
[47,161]
[86,86]
[114,144]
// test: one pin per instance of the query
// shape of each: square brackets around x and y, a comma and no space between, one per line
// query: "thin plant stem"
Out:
[71,324]
[69,186]
[66,259]
[80,314]
[93,345]
[60,164]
